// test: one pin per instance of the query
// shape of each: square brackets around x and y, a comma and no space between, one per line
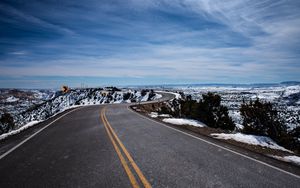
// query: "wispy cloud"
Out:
[199,41]
[17,15]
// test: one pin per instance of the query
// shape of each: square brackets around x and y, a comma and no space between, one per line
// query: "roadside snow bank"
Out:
[291,159]
[250,139]
[30,124]
[155,115]
[181,121]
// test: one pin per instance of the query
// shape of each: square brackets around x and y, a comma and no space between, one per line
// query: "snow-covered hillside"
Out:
[14,101]
[47,104]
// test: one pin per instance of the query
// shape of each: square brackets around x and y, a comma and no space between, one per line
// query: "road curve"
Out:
[78,150]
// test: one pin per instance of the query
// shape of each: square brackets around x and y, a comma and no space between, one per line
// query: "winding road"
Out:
[112,146]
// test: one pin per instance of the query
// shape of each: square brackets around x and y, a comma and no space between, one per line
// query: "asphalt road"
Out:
[111,146]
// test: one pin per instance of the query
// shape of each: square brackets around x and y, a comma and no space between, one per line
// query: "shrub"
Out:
[109,97]
[208,110]
[164,110]
[261,118]
[213,113]
[294,141]
[126,96]
[7,123]
[151,95]
[188,107]
[144,92]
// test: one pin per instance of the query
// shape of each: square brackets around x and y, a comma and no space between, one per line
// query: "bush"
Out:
[188,107]
[109,97]
[294,141]
[144,92]
[7,123]
[126,96]
[213,113]
[208,110]
[151,95]
[261,118]
[164,110]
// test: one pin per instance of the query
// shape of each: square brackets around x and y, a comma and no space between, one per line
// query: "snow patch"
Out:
[153,114]
[157,96]
[30,124]
[250,139]
[12,99]
[145,98]
[239,126]
[156,115]
[182,121]
[291,159]
[291,90]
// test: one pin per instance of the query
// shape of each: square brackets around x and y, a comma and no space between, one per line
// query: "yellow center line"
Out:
[122,159]
[127,154]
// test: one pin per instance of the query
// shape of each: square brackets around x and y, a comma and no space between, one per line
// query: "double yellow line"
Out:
[126,161]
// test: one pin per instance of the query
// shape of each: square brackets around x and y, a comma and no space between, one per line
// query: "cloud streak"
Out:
[175,41]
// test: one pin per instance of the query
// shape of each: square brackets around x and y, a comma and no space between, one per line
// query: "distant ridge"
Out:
[219,85]
[290,82]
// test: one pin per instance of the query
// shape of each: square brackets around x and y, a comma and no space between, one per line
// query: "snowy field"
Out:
[285,97]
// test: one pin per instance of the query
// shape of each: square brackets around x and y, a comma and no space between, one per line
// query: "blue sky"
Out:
[44,44]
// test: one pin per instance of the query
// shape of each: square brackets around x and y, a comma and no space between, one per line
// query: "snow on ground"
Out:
[266,96]
[291,159]
[145,98]
[12,99]
[250,139]
[291,90]
[182,121]
[239,126]
[30,124]
[157,96]
[177,95]
[155,115]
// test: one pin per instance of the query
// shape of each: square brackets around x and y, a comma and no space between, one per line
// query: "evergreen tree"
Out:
[261,118]
[213,113]
[208,110]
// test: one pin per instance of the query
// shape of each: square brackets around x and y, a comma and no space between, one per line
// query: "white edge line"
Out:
[21,143]
[208,142]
